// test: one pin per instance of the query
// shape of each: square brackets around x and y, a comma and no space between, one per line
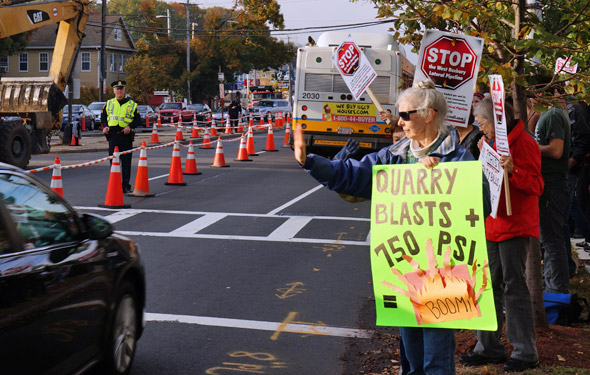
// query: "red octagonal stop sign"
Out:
[348,58]
[449,62]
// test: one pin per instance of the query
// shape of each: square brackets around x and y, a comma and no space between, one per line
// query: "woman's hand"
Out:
[299,145]
[506,163]
[480,142]
[430,161]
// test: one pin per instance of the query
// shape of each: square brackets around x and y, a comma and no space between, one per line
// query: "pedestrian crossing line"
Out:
[285,232]
[306,329]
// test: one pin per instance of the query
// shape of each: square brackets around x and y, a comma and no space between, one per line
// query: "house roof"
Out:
[45,36]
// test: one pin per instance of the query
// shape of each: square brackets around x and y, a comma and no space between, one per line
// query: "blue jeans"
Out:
[429,351]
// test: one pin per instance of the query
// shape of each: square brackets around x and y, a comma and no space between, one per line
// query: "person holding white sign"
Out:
[507,242]
[422,111]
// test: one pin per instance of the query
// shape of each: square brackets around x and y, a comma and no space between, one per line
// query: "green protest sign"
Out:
[428,249]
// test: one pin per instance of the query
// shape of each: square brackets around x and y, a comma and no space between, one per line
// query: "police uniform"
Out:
[117,115]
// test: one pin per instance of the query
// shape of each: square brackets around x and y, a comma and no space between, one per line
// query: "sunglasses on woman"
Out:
[406,115]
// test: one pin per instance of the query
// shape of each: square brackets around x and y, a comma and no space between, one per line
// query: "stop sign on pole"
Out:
[354,67]
[451,61]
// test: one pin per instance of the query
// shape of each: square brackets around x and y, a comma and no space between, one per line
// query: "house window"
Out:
[85,61]
[4,64]
[112,66]
[122,64]
[44,62]
[117,34]
[23,62]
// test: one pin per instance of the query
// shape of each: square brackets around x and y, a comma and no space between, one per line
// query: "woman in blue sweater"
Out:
[422,111]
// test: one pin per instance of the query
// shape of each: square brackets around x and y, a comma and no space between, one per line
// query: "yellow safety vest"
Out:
[120,115]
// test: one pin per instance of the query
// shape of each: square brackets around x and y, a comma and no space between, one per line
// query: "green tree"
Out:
[521,43]
[12,44]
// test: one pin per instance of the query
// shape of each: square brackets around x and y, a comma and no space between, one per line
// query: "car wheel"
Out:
[122,339]
[92,125]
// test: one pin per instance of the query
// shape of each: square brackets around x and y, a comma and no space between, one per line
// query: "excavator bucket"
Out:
[30,95]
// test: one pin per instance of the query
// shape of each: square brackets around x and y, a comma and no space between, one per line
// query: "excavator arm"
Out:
[37,101]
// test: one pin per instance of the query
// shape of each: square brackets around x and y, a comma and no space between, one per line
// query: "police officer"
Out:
[119,118]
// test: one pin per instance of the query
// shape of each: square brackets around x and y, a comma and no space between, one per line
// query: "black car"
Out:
[72,292]
[147,111]
[79,111]
[202,110]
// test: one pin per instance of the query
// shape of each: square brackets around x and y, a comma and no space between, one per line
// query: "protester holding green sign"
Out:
[422,110]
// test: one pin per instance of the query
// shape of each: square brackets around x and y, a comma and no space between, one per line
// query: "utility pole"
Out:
[188,54]
[103,63]
[168,27]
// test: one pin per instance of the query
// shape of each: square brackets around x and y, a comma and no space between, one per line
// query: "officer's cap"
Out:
[118,84]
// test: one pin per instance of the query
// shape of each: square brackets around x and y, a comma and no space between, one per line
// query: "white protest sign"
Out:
[490,162]
[565,66]
[497,92]
[354,67]
[451,61]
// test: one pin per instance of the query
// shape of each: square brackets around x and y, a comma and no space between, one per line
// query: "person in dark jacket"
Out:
[119,117]
[507,242]
[422,111]
[469,136]
[234,110]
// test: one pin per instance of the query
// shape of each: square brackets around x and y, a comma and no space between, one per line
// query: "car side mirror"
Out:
[97,227]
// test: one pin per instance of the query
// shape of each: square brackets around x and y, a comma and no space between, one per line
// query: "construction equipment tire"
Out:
[15,143]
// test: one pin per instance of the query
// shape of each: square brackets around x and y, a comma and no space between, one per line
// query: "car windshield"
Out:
[264,103]
[171,106]
[75,108]
[197,107]
[143,108]
[96,106]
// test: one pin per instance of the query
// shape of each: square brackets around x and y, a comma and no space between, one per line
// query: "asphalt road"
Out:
[251,269]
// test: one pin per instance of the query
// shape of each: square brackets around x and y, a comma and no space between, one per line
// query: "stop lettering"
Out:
[449,62]
[349,57]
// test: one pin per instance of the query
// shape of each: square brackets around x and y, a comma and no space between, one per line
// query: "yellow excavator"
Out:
[30,107]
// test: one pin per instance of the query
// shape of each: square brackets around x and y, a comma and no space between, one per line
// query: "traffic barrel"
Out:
[142,185]
[114,197]
[56,183]
[175,174]
[190,167]
[243,151]
[219,160]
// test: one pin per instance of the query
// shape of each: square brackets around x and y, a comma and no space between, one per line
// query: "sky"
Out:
[314,13]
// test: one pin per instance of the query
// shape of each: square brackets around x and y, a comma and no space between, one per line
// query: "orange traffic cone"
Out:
[142,186]
[147,121]
[114,197]
[194,119]
[219,160]
[243,151]
[190,167]
[75,140]
[175,174]
[213,128]
[250,121]
[227,127]
[159,121]
[250,143]
[84,123]
[287,136]
[261,125]
[56,184]
[270,139]
[280,120]
[178,136]
[195,133]
[206,139]
[155,138]
[240,126]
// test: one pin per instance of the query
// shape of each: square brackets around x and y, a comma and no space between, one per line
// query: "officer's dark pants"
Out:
[124,142]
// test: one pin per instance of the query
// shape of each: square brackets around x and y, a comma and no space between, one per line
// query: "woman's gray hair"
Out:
[485,109]
[423,96]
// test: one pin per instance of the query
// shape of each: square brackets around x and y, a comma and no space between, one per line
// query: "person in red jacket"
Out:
[507,243]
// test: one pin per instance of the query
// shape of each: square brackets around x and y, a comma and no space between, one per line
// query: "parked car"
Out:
[217,116]
[79,111]
[202,110]
[147,111]
[96,108]
[270,106]
[72,292]
[172,111]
